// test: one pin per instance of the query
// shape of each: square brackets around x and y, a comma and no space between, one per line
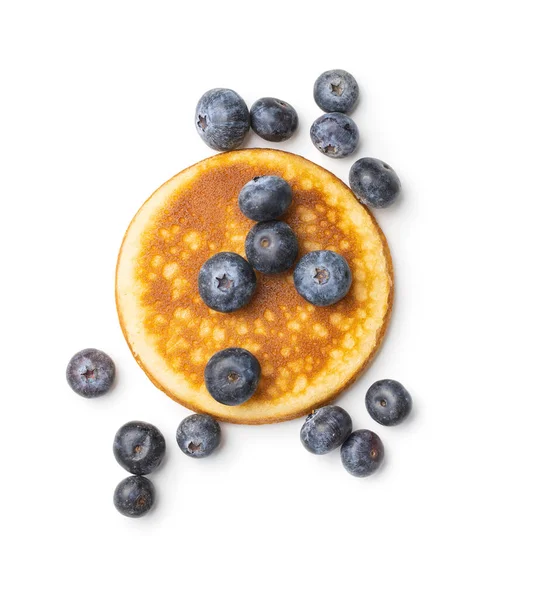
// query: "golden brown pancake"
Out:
[308,354]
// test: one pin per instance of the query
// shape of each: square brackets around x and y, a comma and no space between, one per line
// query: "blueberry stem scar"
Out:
[202,122]
[322,275]
[336,88]
[224,283]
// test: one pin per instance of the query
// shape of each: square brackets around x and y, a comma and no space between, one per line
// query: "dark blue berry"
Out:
[139,447]
[374,182]
[90,373]
[232,376]
[134,496]
[322,277]
[362,453]
[222,119]
[271,247]
[265,198]
[335,135]
[336,91]
[198,435]
[273,120]
[388,402]
[325,429]
[226,282]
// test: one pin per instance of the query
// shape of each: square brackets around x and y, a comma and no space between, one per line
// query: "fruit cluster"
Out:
[388,403]
[227,282]
[222,120]
[139,447]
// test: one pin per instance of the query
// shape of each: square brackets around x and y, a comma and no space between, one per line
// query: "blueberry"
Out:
[222,119]
[335,135]
[325,429]
[374,182]
[90,373]
[271,247]
[322,277]
[232,376]
[336,91]
[362,453]
[198,435]
[388,402]
[134,496]
[265,198]
[226,282]
[273,119]
[139,447]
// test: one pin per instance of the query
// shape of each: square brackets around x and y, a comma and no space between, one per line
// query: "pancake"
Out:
[308,354]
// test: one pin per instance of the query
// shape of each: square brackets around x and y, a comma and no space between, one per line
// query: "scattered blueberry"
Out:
[374,182]
[362,453]
[226,282]
[265,198]
[139,447]
[322,277]
[90,373]
[271,247]
[335,135]
[232,376]
[273,119]
[336,91]
[198,435]
[325,429]
[388,402]
[134,496]
[222,119]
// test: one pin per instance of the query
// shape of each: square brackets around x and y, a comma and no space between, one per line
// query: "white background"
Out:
[96,111]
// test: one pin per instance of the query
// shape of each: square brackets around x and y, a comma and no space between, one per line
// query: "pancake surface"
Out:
[308,354]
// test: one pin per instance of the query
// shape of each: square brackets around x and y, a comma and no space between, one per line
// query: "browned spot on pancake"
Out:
[292,339]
